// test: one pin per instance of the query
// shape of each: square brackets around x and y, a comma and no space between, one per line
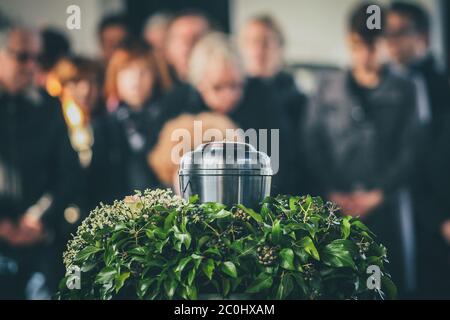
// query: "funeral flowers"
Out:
[154,245]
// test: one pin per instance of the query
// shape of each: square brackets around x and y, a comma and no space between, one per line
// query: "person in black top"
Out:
[359,144]
[39,172]
[217,83]
[122,139]
[262,43]
[408,39]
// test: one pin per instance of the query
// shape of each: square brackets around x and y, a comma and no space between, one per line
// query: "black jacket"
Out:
[353,142]
[119,161]
[35,157]
[258,109]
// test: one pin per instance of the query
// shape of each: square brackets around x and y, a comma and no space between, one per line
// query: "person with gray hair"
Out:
[217,82]
[38,168]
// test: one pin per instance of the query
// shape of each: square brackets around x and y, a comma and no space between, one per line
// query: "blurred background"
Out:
[364,115]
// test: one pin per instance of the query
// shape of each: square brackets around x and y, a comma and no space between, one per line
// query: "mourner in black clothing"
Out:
[218,85]
[183,32]
[39,171]
[408,35]
[359,145]
[262,46]
[122,139]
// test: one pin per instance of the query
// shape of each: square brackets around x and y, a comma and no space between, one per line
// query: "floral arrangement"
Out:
[154,245]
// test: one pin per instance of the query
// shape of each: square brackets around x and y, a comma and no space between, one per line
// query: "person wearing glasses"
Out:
[38,171]
[408,34]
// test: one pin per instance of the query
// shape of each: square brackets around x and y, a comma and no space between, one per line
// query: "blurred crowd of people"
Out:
[75,131]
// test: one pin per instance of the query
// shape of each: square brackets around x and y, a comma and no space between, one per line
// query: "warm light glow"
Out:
[53,86]
[74,114]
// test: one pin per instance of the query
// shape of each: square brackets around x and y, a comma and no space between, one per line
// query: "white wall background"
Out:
[44,13]
[315,29]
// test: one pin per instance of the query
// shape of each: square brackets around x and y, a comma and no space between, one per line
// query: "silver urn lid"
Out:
[226,157]
[226,172]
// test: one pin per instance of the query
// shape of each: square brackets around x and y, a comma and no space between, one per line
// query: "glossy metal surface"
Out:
[226,172]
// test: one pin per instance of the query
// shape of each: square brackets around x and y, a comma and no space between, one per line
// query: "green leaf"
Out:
[143,286]
[262,282]
[345,227]
[229,268]
[139,251]
[221,214]
[251,213]
[161,244]
[287,259]
[310,248]
[226,286]
[169,221]
[285,287]
[208,268]
[194,199]
[86,253]
[292,203]
[191,292]
[388,287]
[181,265]
[339,254]
[182,238]
[276,232]
[106,275]
[120,280]
[170,286]
[191,276]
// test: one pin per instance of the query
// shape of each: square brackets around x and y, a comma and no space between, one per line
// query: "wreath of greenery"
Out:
[154,245]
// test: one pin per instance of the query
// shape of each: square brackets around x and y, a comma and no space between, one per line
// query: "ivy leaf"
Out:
[221,214]
[208,268]
[226,286]
[257,217]
[194,199]
[181,265]
[106,275]
[170,286]
[339,254]
[143,286]
[388,287]
[86,253]
[287,259]
[276,232]
[310,248]
[182,238]
[345,227]
[229,268]
[120,280]
[191,276]
[285,287]
[139,251]
[262,282]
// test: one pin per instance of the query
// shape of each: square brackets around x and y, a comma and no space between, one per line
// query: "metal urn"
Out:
[226,172]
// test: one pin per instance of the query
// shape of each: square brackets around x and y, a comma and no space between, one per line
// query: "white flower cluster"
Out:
[131,208]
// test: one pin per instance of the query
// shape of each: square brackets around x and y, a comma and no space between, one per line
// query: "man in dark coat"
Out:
[38,171]
[408,35]
[359,145]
